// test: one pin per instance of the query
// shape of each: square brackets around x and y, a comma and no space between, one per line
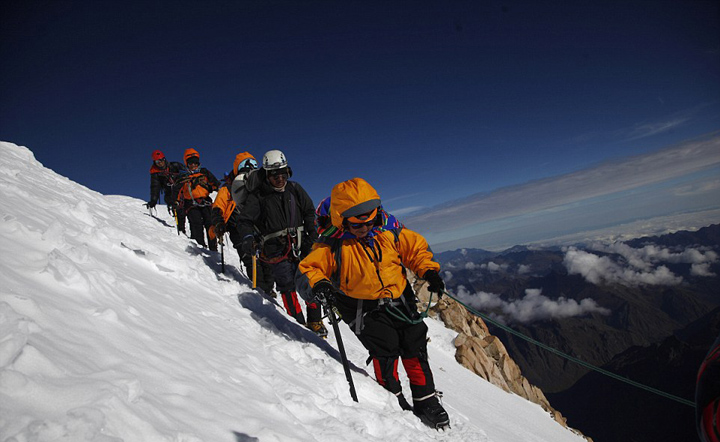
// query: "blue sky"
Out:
[431,102]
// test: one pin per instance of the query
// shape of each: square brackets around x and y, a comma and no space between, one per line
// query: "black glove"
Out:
[150,204]
[324,292]
[248,245]
[219,229]
[435,283]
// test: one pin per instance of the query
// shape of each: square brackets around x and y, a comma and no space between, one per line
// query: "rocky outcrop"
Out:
[483,353]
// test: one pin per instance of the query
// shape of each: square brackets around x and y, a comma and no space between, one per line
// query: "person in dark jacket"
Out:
[163,175]
[283,214]
[225,212]
[193,193]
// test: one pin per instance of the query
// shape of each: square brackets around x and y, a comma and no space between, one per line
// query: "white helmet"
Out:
[274,159]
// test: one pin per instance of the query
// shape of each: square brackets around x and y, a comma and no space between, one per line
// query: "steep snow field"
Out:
[114,328]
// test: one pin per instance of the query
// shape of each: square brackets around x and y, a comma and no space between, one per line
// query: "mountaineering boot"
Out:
[318,328]
[404,403]
[431,412]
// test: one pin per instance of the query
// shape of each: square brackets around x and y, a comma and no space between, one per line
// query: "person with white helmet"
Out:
[278,221]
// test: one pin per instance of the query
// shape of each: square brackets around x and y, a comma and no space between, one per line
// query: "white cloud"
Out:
[534,306]
[493,267]
[650,129]
[645,257]
[524,269]
[607,178]
[698,188]
[701,270]
[602,269]
[406,210]
[614,193]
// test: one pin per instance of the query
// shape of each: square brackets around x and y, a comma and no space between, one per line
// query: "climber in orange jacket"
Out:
[193,192]
[359,266]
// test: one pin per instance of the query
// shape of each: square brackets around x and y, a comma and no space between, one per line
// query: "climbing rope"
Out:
[571,358]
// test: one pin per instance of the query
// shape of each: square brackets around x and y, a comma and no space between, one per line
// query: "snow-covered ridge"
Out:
[114,328]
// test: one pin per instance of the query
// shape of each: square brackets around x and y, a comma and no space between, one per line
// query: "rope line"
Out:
[572,358]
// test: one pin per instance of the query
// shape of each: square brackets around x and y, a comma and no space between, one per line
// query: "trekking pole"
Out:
[343,357]
[177,225]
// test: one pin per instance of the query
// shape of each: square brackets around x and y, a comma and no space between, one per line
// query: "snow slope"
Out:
[114,328]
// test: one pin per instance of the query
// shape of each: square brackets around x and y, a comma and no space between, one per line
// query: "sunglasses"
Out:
[361,225]
[193,160]
[160,161]
[278,174]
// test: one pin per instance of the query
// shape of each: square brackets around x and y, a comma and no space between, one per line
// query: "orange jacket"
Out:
[224,203]
[369,269]
[198,184]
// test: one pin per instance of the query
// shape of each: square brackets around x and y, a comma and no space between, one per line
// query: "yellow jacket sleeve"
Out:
[318,265]
[415,253]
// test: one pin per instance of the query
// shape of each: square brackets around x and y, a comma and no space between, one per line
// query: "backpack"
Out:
[245,183]
[239,191]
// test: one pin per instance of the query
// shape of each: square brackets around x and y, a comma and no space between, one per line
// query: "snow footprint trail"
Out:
[114,328]
[332,406]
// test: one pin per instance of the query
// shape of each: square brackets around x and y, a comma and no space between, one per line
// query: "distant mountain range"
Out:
[643,308]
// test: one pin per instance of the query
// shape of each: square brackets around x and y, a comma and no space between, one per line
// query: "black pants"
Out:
[199,218]
[264,273]
[180,213]
[389,340]
[284,273]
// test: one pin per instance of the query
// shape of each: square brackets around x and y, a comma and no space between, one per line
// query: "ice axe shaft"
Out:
[341,348]
[254,271]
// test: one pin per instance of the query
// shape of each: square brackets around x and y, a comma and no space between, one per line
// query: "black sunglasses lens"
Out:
[361,225]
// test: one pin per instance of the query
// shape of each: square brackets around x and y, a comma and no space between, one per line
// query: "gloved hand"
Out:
[150,204]
[219,229]
[323,292]
[435,283]
[248,245]
[219,232]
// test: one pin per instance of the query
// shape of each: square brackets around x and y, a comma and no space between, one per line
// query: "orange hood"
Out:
[239,158]
[189,153]
[351,198]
